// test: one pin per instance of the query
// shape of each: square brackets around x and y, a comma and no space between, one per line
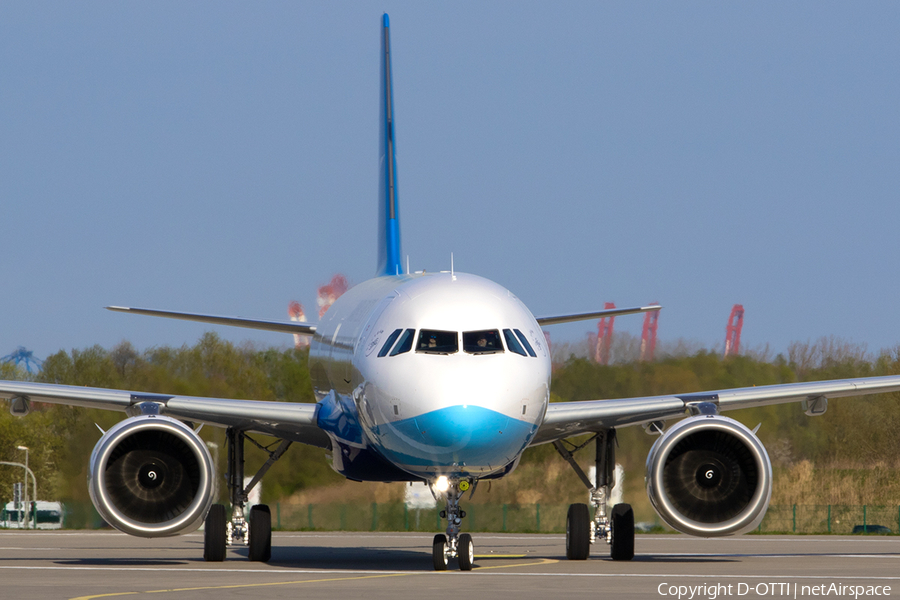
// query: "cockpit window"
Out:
[405,343]
[437,342]
[388,343]
[482,342]
[512,343]
[525,343]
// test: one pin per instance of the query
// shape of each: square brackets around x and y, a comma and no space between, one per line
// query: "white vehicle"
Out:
[441,378]
[43,515]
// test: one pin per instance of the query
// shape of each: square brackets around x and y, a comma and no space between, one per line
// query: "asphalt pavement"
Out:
[87,565]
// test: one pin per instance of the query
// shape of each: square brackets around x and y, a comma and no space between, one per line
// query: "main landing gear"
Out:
[255,531]
[616,528]
[454,544]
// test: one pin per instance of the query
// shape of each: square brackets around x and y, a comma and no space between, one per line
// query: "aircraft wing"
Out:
[288,420]
[599,314]
[280,326]
[565,419]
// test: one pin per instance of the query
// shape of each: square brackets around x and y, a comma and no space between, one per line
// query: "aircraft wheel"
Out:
[439,552]
[578,532]
[466,551]
[622,523]
[214,534]
[260,533]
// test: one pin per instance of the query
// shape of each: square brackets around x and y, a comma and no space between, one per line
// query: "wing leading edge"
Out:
[610,312]
[287,420]
[279,326]
[566,419]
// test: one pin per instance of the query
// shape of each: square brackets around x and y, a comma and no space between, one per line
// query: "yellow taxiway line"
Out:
[543,561]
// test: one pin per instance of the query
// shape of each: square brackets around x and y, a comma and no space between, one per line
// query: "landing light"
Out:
[442,484]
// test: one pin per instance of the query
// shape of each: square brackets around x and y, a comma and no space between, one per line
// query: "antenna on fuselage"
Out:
[407,264]
[452,273]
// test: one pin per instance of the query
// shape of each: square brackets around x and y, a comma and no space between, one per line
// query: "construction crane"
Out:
[733,331]
[295,312]
[330,292]
[604,336]
[21,357]
[648,335]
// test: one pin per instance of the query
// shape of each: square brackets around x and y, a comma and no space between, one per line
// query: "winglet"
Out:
[388,214]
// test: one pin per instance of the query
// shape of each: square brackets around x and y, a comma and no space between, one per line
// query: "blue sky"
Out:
[222,157]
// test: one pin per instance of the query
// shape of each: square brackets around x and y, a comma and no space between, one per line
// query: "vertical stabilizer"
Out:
[388,213]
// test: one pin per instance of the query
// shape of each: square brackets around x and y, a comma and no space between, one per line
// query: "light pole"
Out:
[27,471]
[25,485]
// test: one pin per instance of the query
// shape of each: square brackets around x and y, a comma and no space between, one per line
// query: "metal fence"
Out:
[829,518]
[522,518]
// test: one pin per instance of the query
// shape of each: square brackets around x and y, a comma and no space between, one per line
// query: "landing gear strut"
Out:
[453,544]
[615,528]
[255,531]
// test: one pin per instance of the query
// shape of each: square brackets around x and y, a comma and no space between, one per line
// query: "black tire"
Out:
[214,534]
[260,533]
[466,552]
[578,532]
[439,552]
[622,523]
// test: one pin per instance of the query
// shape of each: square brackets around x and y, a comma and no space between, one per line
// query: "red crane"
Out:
[648,335]
[330,292]
[295,312]
[733,331]
[604,336]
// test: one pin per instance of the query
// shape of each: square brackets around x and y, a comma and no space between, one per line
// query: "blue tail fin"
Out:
[388,213]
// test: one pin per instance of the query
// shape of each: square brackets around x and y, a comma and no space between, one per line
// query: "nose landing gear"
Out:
[453,544]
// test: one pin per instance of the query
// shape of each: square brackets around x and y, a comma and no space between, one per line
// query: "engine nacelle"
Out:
[151,476]
[709,476]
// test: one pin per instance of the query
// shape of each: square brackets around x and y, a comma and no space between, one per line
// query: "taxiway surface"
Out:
[67,565]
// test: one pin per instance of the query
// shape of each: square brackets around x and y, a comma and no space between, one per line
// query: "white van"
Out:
[49,516]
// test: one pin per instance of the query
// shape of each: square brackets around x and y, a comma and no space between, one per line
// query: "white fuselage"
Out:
[448,374]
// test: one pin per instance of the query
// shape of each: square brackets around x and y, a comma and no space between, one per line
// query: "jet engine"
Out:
[709,476]
[151,476]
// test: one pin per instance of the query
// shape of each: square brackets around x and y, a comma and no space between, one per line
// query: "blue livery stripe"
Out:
[460,440]
[388,213]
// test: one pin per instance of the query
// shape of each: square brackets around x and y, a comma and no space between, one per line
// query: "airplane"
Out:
[438,377]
